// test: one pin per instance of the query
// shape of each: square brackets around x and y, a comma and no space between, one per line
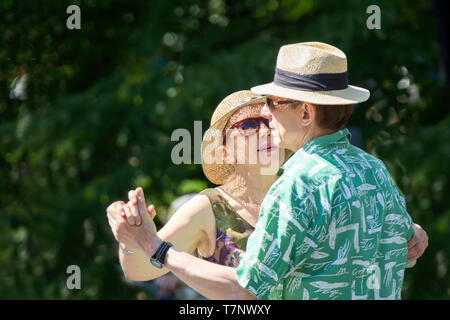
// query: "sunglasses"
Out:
[249,126]
[273,104]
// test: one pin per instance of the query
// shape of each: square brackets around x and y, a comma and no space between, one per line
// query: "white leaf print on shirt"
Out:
[296,281]
[319,255]
[347,193]
[269,272]
[286,212]
[328,285]
[380,199]
[326,206]
[366,187]
[303,185]
[316,168]
[396,240]
[271,254]
[388,276]
[333,232]
[342,254]
[266,236]
[341,163]
[305,294]
[392,217]
[286,256]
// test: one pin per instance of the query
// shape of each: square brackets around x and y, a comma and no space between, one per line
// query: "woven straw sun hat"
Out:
[217,171]
[312,72]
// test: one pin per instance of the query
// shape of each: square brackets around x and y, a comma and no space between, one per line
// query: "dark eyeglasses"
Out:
[251,125]
[248,126]
[273,104]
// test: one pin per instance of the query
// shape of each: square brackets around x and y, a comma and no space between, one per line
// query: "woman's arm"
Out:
[210,279]
[192,226]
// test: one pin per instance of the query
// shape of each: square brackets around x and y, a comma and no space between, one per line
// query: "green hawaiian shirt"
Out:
[333,226]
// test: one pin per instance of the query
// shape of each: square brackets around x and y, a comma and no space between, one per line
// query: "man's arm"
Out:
[211,280]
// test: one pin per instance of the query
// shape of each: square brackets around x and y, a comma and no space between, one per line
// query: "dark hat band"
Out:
[311,82]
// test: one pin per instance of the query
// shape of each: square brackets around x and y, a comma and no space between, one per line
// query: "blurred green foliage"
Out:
[102,102]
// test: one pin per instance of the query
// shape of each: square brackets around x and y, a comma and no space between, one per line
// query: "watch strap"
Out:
[160,253]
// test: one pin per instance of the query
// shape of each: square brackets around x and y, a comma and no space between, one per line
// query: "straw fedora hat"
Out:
[313,72]
[217,171]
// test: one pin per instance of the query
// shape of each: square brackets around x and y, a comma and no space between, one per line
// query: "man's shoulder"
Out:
[306,175]
[364,156]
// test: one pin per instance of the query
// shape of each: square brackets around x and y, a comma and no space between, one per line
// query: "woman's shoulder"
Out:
[198,208]
[196,213]
[210,193]
[198,205]
[192,226]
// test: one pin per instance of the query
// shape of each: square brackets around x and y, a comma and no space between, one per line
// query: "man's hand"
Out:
[417,244]
[142,236]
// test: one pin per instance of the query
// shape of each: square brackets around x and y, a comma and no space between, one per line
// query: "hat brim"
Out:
[350,95]
[222,121]
[219,172]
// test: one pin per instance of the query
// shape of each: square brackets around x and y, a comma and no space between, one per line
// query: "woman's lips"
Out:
[268,148]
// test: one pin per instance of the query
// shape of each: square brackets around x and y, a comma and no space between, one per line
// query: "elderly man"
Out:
[333,226]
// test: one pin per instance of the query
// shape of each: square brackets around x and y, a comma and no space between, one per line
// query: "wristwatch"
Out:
[157,258]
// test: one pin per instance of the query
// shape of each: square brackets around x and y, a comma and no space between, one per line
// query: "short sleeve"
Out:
[400,201]
[409,226]
[407,218]
[280,242]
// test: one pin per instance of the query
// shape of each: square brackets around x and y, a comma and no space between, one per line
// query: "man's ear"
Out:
[307,113]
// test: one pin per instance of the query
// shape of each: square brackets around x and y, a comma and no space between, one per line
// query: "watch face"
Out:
[156,263]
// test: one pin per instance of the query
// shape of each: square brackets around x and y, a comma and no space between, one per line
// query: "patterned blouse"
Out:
[232,231]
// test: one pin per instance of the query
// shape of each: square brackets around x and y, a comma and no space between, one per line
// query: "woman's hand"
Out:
[122,217]
[133,217]
[133,207]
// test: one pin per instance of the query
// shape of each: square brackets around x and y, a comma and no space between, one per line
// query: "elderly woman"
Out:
[238,156]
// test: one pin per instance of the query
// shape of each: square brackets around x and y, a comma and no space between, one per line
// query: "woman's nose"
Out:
[264,129]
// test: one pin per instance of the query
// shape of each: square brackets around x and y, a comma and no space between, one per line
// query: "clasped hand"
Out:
[132,223]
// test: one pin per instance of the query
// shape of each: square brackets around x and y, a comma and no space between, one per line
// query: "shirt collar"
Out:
[342,137]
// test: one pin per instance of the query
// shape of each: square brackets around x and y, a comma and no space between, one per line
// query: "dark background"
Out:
[100,104]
